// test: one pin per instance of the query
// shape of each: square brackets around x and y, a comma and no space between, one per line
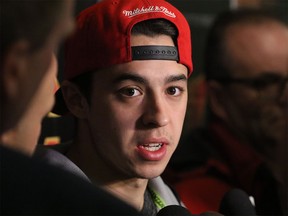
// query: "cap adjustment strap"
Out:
[155,53]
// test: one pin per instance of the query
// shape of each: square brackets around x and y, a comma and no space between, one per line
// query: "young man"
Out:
[245,142]
[30,32]
[126,71]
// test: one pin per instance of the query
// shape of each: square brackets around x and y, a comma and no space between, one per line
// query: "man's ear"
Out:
[216,99]
[14,65]
[75,101]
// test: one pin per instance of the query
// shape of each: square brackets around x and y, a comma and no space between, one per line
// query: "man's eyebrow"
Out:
[139,79]
[270,74]
[128,76]
[175,78]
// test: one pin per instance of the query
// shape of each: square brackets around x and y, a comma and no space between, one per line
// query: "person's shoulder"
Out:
[13,161]
[17,164]
[56,156]
[31,186]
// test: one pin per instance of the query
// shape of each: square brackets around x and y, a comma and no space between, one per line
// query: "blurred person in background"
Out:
[245,142]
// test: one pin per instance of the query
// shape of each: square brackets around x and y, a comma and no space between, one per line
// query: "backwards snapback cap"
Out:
[103,33]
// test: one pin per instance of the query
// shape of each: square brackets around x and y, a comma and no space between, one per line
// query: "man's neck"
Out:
[131,191]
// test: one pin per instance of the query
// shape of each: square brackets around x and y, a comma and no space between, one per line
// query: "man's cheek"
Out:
[273,122]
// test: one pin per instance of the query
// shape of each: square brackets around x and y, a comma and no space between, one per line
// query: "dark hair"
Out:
[155,27]
[30,20]
[216,58]
[151,28]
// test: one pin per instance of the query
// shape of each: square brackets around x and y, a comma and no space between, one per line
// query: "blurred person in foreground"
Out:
[24,135]
[126,71]
[30,33]
[245,143]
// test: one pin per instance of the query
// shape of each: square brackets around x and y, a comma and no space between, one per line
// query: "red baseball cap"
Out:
[103,31]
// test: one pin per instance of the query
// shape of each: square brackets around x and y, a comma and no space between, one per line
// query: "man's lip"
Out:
[148,151]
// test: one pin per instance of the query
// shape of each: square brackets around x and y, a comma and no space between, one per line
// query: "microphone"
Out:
[235,203]
[174,210]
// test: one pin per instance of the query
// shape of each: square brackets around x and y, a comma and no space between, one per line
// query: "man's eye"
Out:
[267,81]
[175,91]
[262,83]
[130,92]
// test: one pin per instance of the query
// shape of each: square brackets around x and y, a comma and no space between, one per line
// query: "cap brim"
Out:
[60,107]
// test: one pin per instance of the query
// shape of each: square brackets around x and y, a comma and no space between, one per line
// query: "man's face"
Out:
[137,112]
[259,111]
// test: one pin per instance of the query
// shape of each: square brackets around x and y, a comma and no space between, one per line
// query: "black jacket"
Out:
[30,186]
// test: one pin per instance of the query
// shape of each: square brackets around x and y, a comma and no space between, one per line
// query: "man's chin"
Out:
[151,173]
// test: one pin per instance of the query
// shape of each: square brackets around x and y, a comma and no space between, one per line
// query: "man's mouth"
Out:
[152,146]
[152,151]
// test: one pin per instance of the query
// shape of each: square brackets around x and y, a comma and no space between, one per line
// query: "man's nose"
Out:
[156,111]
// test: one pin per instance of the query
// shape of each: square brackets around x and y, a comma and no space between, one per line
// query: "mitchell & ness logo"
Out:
[150,9]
